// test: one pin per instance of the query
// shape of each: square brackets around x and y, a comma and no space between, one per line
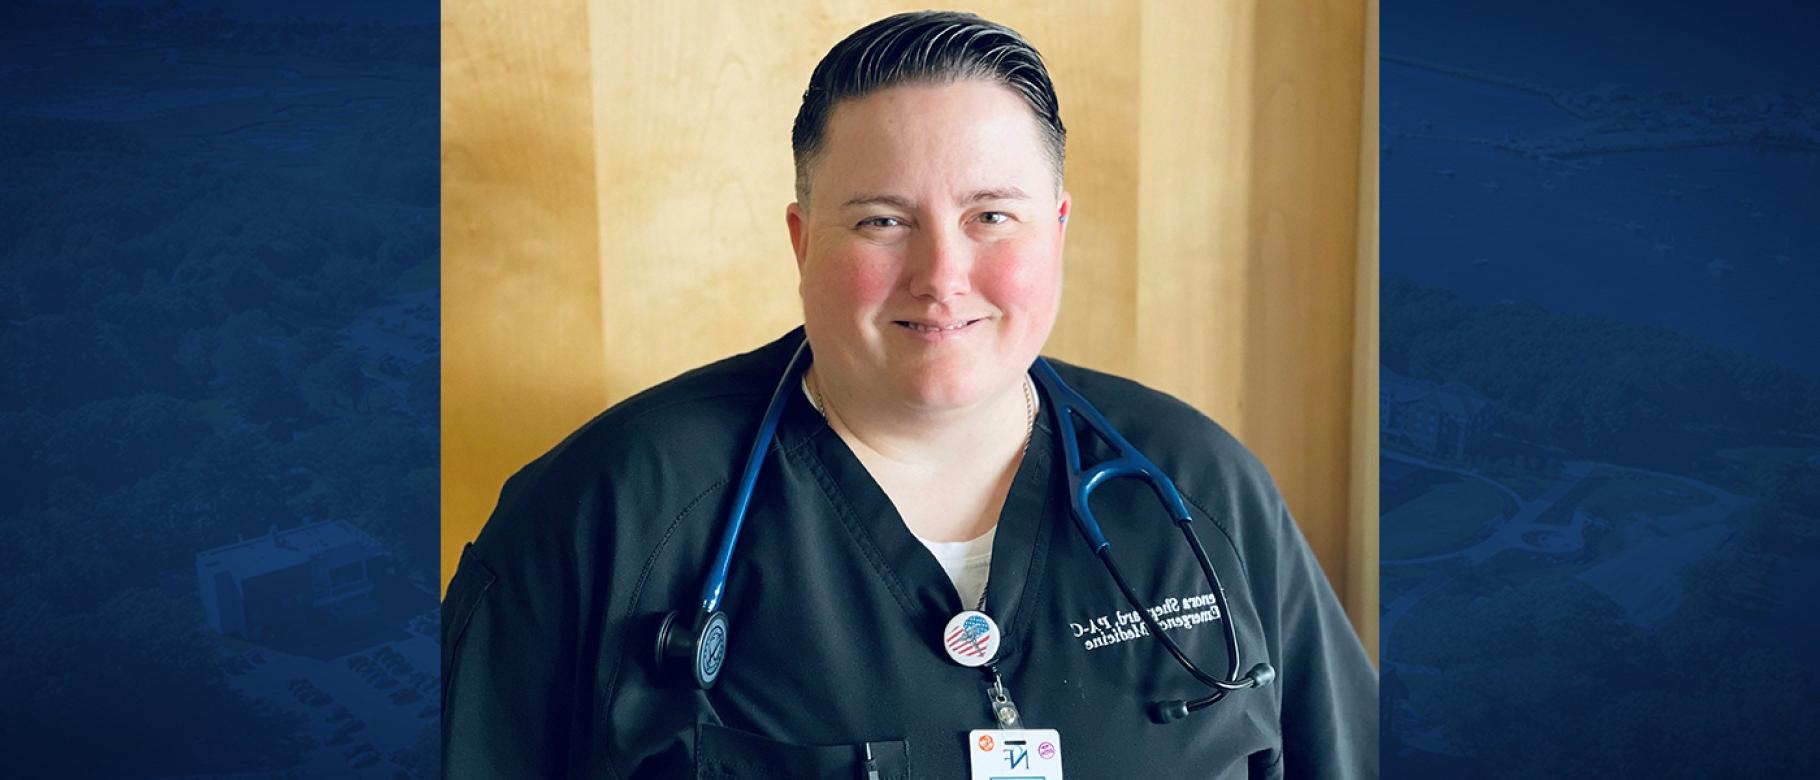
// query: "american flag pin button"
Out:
[971,638]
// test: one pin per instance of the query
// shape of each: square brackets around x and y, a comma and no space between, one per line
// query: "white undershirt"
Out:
[967,563]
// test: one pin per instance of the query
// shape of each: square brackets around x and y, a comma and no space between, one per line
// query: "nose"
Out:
[939,265]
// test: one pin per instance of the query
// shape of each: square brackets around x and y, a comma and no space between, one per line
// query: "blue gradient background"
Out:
[1600,249]
[219,315]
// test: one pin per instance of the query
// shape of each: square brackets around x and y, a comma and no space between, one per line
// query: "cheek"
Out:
[854,282]
[1022,279]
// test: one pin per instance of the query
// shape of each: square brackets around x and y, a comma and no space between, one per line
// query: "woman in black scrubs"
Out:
[911,521]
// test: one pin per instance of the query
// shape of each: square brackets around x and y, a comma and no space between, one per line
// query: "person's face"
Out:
[931,251]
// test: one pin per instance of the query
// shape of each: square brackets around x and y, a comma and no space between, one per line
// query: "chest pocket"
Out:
[727,754]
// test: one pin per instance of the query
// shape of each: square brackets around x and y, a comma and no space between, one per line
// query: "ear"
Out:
[798,221]
[1065,205]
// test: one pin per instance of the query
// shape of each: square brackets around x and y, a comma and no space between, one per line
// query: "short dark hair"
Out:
[924,47]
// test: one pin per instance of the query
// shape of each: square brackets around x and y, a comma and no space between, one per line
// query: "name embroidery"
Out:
[1123,626]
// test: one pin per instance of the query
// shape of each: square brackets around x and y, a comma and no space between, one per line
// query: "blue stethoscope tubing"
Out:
[715,586]
[1067,407]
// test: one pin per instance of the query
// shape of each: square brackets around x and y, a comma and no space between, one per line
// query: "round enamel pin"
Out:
[971,638]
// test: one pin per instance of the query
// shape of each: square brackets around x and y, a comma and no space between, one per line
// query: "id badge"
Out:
[1015,754]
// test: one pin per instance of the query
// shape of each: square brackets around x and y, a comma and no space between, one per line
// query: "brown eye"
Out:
[880,222]
[995,217]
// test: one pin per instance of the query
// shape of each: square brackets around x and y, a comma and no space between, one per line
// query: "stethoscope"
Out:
[692,652]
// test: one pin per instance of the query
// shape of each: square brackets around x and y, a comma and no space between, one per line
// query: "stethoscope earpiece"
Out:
[691,653]
[1172,710]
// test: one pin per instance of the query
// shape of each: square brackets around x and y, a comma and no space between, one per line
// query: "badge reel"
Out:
[1009,752]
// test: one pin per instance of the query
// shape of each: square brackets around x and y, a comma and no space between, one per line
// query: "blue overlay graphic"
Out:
[1600,390]
[219,317]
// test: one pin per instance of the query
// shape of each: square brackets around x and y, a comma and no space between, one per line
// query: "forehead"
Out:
[965,134]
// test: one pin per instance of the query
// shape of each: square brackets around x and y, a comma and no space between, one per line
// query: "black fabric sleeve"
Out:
[509,639]
[1330,690]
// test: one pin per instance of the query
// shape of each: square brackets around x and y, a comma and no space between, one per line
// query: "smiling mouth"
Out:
[923,327]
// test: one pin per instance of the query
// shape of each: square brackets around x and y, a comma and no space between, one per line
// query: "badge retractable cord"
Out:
[691,649]
[972,640]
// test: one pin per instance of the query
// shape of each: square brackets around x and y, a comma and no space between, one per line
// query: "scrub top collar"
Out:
[1027,526]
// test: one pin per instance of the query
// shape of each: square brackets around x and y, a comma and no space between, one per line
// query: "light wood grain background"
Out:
[615,177]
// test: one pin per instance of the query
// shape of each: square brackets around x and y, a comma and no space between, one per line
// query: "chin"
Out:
[941,390]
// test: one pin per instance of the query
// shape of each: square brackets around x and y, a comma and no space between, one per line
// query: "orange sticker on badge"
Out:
[985,741]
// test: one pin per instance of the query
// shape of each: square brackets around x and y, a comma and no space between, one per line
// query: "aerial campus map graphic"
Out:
[221,400]
[1600,420]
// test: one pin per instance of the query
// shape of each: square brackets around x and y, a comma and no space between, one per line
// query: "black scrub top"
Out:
[837,611]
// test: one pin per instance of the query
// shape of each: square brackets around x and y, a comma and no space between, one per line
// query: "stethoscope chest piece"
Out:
[692,654]
[971,638]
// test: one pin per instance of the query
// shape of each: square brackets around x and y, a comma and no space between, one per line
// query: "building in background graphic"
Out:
[267,587]
[1443,420]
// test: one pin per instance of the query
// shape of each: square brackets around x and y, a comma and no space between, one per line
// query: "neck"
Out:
[984,436]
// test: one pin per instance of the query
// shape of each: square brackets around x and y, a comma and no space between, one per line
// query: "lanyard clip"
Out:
[1003,709]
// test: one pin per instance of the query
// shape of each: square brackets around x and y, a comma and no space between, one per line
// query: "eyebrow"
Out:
[878,199]
[896,201]
[994,193]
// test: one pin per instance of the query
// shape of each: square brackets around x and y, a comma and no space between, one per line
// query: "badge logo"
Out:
[1014,754]
[971,638]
